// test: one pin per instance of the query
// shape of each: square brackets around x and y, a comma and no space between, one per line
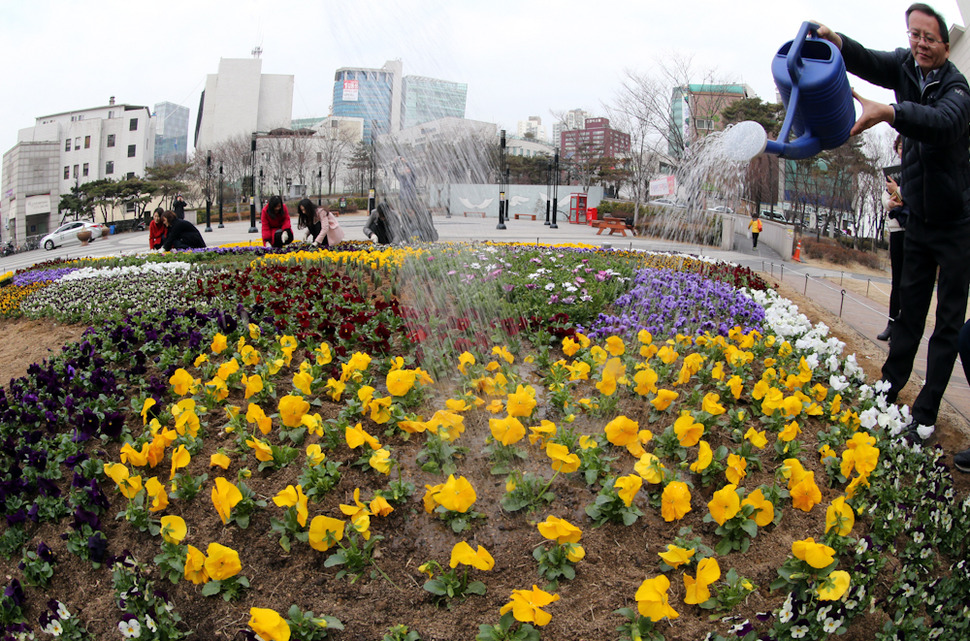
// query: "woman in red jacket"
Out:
[275,219]
[156,230]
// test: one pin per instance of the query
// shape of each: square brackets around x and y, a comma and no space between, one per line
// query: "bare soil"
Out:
[618,558]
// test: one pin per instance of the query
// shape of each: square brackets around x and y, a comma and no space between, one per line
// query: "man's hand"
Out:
[828,34]
[873,113]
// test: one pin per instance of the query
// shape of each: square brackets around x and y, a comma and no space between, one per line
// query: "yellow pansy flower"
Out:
[675,501]
[725,504]
[652,600]
[464,554]
[526,606]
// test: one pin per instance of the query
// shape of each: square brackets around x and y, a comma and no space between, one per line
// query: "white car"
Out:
[721,209]
[67,233]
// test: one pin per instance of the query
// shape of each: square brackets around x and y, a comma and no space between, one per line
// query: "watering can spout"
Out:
[819,111]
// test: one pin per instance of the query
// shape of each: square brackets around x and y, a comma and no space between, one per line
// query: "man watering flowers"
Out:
[931,112]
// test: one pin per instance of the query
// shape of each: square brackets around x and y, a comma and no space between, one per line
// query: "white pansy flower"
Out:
[838,382]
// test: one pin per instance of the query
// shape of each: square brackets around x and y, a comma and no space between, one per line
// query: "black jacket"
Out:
[934,122]
[183,235]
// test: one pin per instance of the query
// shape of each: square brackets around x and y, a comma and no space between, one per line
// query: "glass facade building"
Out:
[427,99]
[365,94]
[171,133]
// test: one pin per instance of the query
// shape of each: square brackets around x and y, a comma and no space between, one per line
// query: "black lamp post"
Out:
[220,197]
[319,186]
[548,188]
[555,189]
[252,187]
[208,191]
[372,167]
[501,186]
[260,189]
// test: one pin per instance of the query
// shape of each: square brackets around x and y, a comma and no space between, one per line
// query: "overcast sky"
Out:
[518,57]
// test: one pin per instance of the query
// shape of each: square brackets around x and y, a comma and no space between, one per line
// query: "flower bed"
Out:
[261,451]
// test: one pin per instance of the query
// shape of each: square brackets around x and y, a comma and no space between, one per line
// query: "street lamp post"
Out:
[220,197]
[252,187]
[555,189]
[501,186]
[548,188]
[208,191]
[319,186]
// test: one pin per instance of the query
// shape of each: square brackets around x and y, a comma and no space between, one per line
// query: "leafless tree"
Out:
[650,95]
[333,145]
[643,161]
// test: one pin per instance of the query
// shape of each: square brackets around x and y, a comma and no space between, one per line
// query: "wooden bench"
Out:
[614,225]
[474,213]
[516,216]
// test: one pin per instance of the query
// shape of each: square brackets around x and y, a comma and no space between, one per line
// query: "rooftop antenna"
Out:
[257,51]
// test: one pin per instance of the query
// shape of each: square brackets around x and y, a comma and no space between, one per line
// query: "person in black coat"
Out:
[179,207]
[181,234]
[380,224]
[931,112]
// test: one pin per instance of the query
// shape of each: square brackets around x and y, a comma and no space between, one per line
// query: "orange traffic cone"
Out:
[798,253]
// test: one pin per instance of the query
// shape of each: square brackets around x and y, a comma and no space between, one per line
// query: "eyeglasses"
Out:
[916,36]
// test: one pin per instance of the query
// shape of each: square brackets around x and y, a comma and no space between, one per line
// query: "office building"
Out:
[388,101]
[241,100]
[427,99]
[595,140]
[373,95]
[171,133]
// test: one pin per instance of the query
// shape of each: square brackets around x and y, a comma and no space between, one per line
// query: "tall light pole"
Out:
[548,188]
[208,191]
[555,189]
[319,186]
[252,187]
[501,186]
[220,197]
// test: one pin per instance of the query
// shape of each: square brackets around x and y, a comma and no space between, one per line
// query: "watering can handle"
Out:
[795,52]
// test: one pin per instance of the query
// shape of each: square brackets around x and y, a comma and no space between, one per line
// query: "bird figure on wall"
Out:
[467,203]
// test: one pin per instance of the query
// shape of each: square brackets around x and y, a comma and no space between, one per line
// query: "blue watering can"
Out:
[810,76]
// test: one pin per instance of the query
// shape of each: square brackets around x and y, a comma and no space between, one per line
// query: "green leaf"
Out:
[476,587]
[211,588]
[436,587]
[750,528]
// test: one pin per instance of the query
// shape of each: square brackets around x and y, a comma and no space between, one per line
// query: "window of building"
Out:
[77,142]
[319,156]
[67,145]
[84,169]
[67,172]
[129,175]
[131,151]
[133,124]
[130,207]
[704,124]
[111,140]
[87,142]
[75,171]
[109,167]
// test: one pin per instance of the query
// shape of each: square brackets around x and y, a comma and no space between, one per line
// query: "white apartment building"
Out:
[533,127]
[114,141]
[240,99]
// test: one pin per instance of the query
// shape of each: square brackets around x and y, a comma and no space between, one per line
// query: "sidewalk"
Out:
[859,313]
